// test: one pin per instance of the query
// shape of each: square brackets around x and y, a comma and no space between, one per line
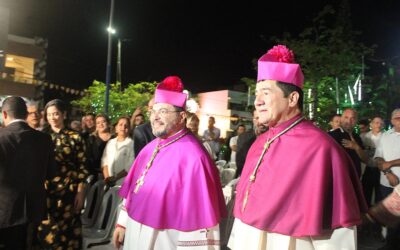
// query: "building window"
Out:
[22,68]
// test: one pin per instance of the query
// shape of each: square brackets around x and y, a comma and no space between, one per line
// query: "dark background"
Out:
[210,44]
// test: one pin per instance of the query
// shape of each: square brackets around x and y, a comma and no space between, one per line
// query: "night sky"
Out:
[210,44]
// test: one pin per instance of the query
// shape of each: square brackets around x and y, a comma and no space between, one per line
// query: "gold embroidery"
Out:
[140,181]
[266,146]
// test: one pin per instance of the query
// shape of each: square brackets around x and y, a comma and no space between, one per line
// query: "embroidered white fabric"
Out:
[247,237]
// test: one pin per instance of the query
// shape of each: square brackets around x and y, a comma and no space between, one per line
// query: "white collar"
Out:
[392,131]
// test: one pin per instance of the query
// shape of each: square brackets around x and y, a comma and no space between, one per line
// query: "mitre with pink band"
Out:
[278,64]
[170,91]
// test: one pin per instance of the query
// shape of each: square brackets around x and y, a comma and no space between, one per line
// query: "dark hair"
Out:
[60,105]
[364,122]
[377,116]
[15,107]
[107,120]
[334,115]
[128,120]
[191,117]
[139,115]
[241,125]
[178,109]
[289,88]
[104,116]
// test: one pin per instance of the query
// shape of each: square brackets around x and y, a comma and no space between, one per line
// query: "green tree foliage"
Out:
[122,102]
[250,83]
[375,102]
[331,58]
[328,51]
[391,82]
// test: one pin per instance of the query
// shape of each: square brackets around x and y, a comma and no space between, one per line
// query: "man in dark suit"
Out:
[245,141]
[350,141]
[143,133]
[26,160]
[141,136]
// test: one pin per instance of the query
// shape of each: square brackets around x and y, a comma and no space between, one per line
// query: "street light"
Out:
[111,31]
[119,63]
[120,41]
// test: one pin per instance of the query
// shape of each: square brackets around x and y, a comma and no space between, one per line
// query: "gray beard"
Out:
[160,133]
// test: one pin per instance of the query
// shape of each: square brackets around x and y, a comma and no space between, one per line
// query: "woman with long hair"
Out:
[96,143]
[63,229]
[118,155]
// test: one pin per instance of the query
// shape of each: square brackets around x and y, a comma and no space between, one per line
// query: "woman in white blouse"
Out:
[118,155]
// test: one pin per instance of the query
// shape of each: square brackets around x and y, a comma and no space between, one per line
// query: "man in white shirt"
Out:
[387,157]
[371,176]
[212,134]
[233,142]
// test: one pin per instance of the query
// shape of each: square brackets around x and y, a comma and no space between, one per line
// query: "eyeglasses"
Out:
[33,113]
[161,112]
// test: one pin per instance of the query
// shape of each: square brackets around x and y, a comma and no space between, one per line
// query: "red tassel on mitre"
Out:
[171,83]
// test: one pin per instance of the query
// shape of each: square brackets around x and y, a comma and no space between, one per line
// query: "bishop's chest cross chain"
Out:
[140,181]
[266,146]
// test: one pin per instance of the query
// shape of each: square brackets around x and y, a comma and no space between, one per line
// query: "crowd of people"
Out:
[299,187]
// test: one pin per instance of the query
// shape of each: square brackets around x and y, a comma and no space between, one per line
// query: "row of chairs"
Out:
[101,211]
[100,214]
[227,223]
[227,171]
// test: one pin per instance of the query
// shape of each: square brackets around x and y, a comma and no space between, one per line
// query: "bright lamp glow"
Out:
[111,30]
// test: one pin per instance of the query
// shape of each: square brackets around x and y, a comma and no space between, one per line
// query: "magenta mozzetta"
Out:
[177,195]
[173,183]
[296,183]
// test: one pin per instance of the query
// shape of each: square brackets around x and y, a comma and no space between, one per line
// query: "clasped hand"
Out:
[351,144]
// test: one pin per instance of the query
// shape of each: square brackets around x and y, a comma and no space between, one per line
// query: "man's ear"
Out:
[293,99]
[183,115]
[4,114]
